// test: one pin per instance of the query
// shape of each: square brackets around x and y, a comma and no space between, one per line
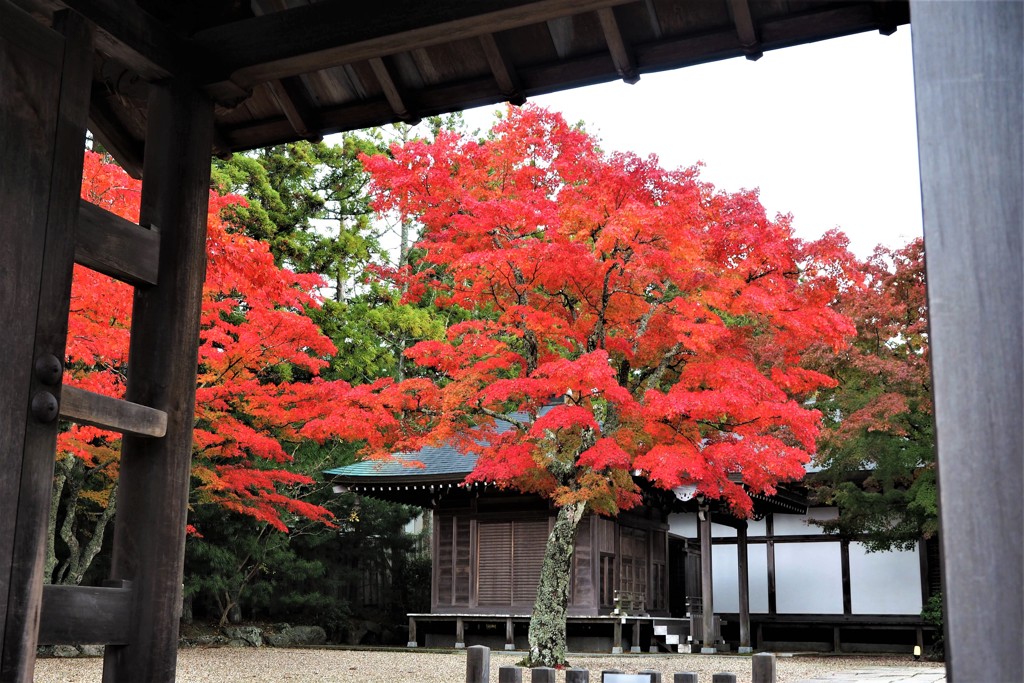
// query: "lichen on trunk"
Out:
[547,635]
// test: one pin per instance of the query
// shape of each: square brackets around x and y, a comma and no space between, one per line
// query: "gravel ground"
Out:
[269,665]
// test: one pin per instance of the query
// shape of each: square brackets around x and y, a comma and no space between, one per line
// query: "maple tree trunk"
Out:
[547,623]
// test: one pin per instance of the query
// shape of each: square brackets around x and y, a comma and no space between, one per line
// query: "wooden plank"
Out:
[113,246]
[43,115]
[321,35]
[152,498]
[73,615]
[968,78]
[617,46]
[89,408]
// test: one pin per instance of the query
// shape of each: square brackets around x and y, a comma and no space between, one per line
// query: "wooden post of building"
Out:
[706,584]
[460,633]
[412,633]
[617,636]
[743,579]
[968,76]
[43,113]
[510,634]
[478,664]
[152,497]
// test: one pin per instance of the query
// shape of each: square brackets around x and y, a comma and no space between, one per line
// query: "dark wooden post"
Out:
[575,675]
[43,113]
[542,674]
[968,76]
[412,633]
[684,677]
[152,498]
[460,633]
[723,677]
[510,674]
[617,636]
[763,668]
[743,578]
[510,634]
[706,584]
[478,664]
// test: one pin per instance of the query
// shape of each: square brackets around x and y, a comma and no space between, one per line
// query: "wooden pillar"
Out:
[617,636]
[510,634]
[706,584]
[412,633]
[968,76]
[43,113]
[152,498]
[743,579]
[460,633]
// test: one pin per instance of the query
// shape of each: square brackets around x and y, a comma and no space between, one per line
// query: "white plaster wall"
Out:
[725,575]
[808,578]
[683,524]
[796,525]
[884,583]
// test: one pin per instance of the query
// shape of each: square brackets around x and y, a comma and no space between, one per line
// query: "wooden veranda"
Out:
[164,84]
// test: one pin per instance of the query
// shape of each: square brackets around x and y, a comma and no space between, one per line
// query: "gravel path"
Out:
[269,665]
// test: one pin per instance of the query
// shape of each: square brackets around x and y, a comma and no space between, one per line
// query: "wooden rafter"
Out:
[292,97]
[392,91]
[745,28]
[624,63]
[118,141]
[504,75]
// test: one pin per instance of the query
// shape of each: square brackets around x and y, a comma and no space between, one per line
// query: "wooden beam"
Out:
[90,408]
[617,46]
[152,497]
[652,17]
[969,83]
[121,145]
[745,29]
[113,246]
[392,92]
[321,35]
[504,75]
[81,614]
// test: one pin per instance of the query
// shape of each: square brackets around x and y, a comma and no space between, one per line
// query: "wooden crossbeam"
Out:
[504,75]
[617,46]
[87,407]
[73,615]
[113,246]
[325,34]
[112,135]
[293,99]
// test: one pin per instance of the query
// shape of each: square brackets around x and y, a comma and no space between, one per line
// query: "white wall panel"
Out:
[683,524]
[796,525]
[884,583]
[808,578]
[726,578]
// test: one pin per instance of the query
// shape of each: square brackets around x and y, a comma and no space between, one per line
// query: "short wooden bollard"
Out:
[478,664]
[542,674]
[655,675]
[575,675]
[763,668]
[684,677]
[510,674]
[723,677]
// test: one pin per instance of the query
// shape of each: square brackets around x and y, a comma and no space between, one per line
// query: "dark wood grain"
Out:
[152,498]
[743,578]
[73,615]
[113,246]
[43,115]
[969,76]
[89,408]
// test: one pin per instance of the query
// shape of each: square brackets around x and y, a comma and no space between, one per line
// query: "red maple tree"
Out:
[667,318]
[259,360]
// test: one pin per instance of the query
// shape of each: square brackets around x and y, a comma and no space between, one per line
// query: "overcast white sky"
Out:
[826,131]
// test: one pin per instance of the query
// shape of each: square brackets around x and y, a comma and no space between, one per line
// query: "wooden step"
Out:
[73,615]
[90,408]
